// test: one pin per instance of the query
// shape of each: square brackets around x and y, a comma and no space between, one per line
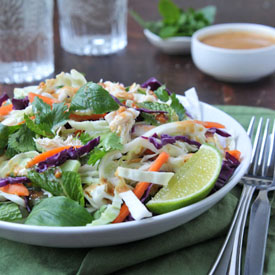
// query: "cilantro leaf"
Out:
[40,129]
[21,141]
[177,106]
[92,96]
[5,132]
[162,94]
[96,155]
[47,118]
[108,142]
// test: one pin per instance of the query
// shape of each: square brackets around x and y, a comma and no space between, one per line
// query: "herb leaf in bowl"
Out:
[176,21]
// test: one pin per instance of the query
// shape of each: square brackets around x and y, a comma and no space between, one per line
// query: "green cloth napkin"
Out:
[188,249]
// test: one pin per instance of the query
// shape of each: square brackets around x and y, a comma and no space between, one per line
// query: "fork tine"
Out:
[263,148]
[256,145]
[269,159]
[251,127]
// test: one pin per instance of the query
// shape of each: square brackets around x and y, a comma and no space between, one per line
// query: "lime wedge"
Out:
[191,183]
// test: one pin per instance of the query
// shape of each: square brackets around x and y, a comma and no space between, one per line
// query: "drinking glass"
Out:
[26,40]
[93,27]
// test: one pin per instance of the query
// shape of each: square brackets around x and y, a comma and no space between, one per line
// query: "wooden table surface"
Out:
[140,60]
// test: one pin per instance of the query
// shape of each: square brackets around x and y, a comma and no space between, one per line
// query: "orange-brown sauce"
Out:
[239,40]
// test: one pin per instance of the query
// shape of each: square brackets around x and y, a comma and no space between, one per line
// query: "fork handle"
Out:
[236,256]
[257,234]
[225,255]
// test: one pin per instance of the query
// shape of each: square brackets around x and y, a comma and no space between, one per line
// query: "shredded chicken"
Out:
[122,121]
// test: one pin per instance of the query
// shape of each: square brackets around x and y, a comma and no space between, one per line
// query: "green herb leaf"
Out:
[96,155]
[172,115]
[21,141]
[41,129]
[108,142]
[162,94]
[59,211]
[68,185]
[10,212]
[5,132]
[177,106]
[209,13]
[47,118]
[71,183]
[169,11]
[92,96]
[47,181]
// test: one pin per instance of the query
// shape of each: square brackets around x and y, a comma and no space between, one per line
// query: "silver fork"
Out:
[229,258]
[259,222]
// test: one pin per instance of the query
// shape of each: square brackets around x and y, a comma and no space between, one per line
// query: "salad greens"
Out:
[75,153]
[176,21]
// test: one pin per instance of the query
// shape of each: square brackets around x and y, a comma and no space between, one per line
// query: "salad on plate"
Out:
[78,153]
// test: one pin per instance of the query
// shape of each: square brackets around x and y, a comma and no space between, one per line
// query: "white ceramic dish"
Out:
[112,234]
[173,45]
[230,64]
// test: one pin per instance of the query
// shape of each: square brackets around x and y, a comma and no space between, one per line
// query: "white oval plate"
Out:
[82,236]
[172,45]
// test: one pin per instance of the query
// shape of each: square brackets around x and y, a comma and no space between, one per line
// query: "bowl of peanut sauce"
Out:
[235,52]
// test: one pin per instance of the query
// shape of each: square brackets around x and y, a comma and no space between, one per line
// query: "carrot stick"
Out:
[5,109]
[235,153]
[43,156]
[141,187]
[86,117]
[210,124]
[15,188]
[46,99]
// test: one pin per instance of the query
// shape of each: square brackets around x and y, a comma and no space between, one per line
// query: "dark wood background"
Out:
[140,60]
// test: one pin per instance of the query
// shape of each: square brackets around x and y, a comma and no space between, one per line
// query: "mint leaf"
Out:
[169,11]
[10,212]
[92,96]
[72,187]
[68,185]
[149,119]
[59,211]
[21,141]
[162,94]
[209,13]
[177,106]
[46,181]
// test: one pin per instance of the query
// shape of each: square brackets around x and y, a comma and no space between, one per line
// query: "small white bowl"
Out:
[232,65]
[172,45]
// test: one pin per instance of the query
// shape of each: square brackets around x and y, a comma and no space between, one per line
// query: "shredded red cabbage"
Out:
[229,165]
[26,199]
[164,139]
[71,153]
[8,180]
[20,104]
[3,98]
[218,131]
[116,100]
[154,84]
